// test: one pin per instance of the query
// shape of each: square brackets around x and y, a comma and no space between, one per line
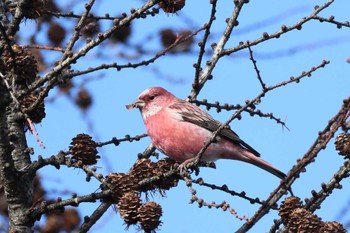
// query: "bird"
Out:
[180,130]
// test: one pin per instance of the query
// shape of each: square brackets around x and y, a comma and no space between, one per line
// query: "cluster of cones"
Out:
[126,190]
[144,176]
[300,220]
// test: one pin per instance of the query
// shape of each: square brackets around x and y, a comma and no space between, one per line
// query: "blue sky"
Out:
[306,107]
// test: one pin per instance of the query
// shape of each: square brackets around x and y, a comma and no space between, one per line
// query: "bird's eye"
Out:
[151,97]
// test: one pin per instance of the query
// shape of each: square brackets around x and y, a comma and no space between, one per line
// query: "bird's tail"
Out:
[238,152]
[266,166]
[248,157]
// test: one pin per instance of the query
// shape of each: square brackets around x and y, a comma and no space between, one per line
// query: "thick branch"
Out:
[14,158]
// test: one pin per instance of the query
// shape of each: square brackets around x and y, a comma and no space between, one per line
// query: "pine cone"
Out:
[149,215]
[83,99]
[120,183]
[168,37]
[128,206]
[54,223]
[171,6]
[50,6]
[90,28]
[163,166]
[333,227]
[40,62]
[22,62]
[143,169]
[83,149]
[71,219]
[303,221]
[38,113]
[121,34]
[66,86]
[288,205]
[56,34]
[342,144]
[33,10]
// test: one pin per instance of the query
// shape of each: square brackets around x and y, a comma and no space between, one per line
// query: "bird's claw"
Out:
[184,170]
[191,165]
[185,166]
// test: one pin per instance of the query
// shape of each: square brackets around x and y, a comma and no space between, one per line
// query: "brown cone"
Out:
[54,224]
[66,86]
[33,10]
[333,227]
[56,33]
[143,169]
[171,6]
[288,205]
[83,99]
[90,28]
[121,183]
[128,206]
[121,34]
[22,62]
[71,219]
[149,215]
[168,37]
[38,113]
[83,149]
[303,221]
[163,166]
[342,144]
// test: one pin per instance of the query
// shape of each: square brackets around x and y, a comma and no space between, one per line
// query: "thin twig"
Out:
[257,71]
[203,44]
[206,74]
[284,29]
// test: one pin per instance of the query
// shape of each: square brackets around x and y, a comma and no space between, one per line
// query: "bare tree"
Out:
[39,66]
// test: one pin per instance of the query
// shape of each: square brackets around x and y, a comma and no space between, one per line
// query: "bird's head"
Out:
[151,101]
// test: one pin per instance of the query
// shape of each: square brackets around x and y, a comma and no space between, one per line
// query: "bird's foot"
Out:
[191,165]
[185,166]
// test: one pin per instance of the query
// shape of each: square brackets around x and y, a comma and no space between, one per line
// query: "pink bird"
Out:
[180,129]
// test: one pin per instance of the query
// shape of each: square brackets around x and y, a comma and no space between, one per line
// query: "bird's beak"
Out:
[137,104]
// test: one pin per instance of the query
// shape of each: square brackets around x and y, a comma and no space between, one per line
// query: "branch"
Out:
[36,212]
[322,140]
[178,41]
[263,85]
[54,160]
[94,217]
[52,76]
[117,141]
[17,18]
[252,102]
[317,198]
[284,29]
[77,29]
[206,74]
[203,44]
[229,107]
[225,189]
[332,21]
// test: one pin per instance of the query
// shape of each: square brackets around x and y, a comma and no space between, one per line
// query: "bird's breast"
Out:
[177,139]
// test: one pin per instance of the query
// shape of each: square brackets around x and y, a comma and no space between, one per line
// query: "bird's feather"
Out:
[197,116]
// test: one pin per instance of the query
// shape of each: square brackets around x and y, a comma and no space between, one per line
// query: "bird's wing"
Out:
[198,116]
